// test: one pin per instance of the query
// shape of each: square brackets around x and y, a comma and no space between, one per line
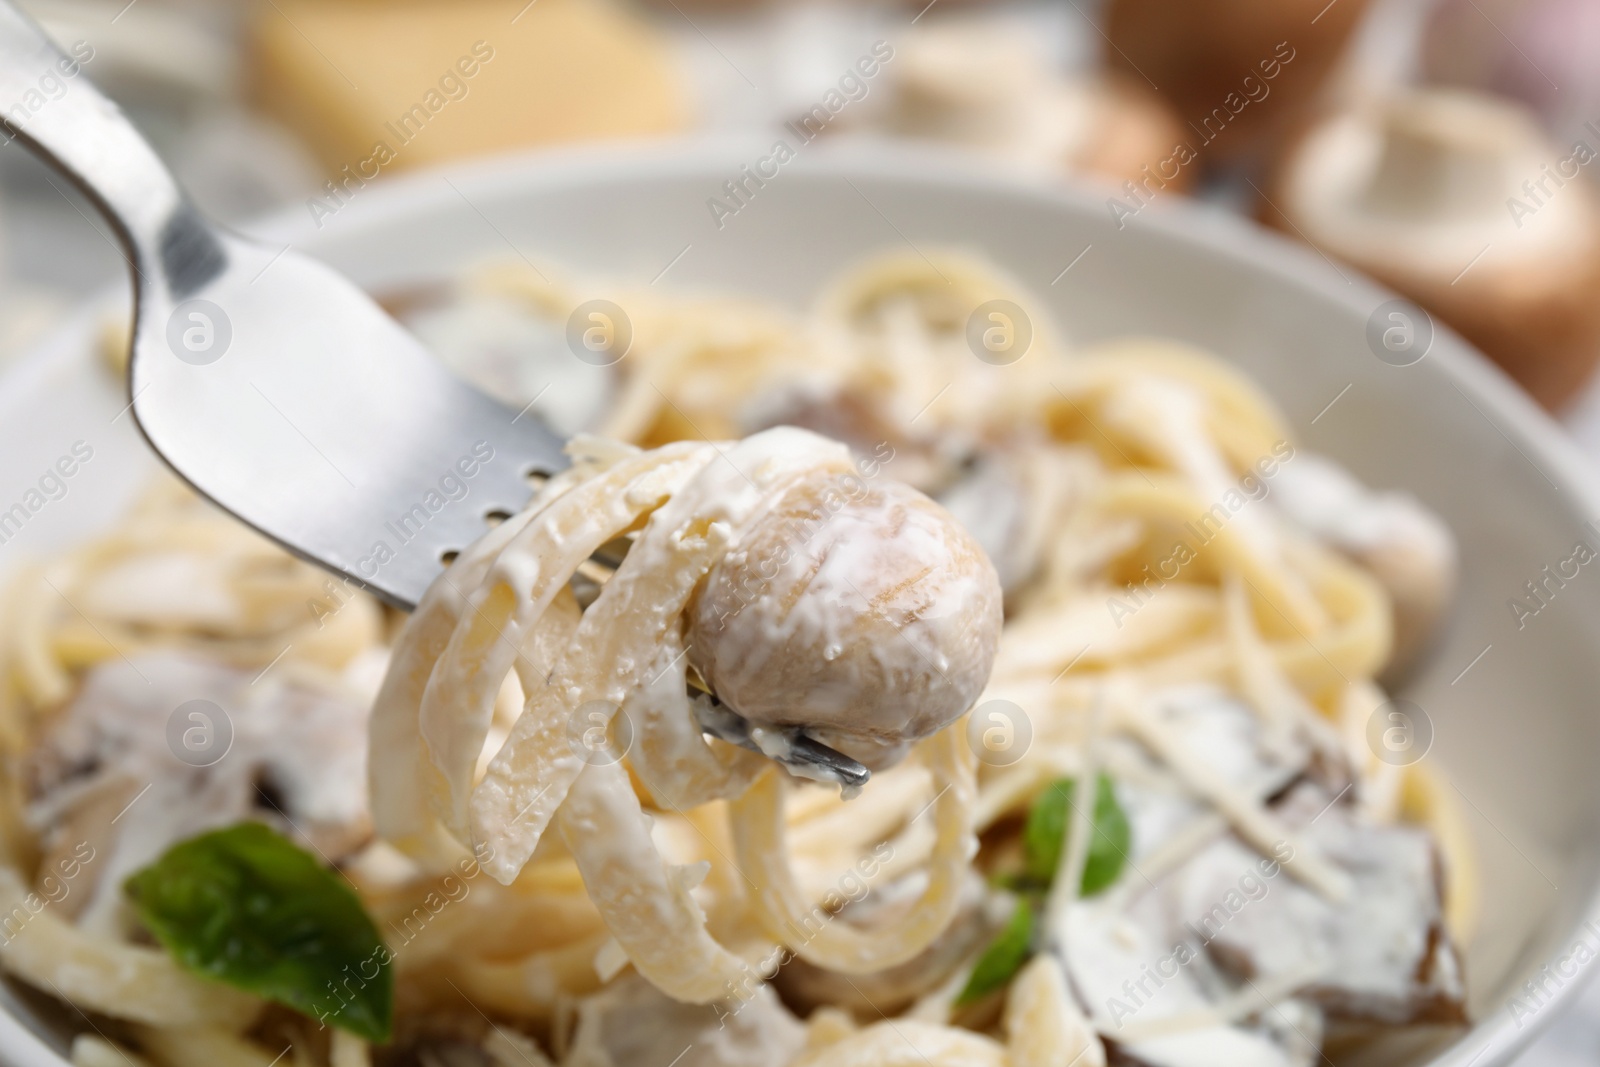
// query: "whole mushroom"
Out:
[862,613]
[983,86]
[1461,203]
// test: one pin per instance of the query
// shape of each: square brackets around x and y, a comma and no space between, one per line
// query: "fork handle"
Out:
[51,107]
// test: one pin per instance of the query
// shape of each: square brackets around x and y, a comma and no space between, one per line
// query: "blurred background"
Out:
[1445,147]
[1449,148]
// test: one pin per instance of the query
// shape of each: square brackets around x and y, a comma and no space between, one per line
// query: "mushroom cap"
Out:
[860,611]
[986,86]
[1463,204]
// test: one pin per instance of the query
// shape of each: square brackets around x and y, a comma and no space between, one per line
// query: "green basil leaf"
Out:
[1044,835]
[1003,958]
[245,906]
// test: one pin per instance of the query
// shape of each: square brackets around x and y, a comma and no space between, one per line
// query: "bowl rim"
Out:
[1195,224]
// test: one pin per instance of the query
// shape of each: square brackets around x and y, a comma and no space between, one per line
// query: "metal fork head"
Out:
[266,380]
[284,393]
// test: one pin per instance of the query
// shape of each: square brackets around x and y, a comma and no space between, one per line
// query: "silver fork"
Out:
[279,390]
[267,381]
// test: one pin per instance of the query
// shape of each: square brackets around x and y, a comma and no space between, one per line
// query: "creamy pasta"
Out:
[1107,639]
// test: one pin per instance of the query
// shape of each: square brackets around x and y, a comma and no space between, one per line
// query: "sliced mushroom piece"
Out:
[1144,980]
[1405,546]
[1381,956]
[163,746]
[632,1022]
[1257,758]
[1214,956]
[1159,1001]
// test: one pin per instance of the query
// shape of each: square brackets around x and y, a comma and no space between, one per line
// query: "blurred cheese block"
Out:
[432,81]
[1460,202]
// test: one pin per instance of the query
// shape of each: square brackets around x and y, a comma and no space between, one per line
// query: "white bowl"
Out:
[1511,708]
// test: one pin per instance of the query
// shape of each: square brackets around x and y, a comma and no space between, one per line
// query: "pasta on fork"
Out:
[865,616]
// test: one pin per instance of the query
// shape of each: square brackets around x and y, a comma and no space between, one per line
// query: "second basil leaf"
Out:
[1045,834]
